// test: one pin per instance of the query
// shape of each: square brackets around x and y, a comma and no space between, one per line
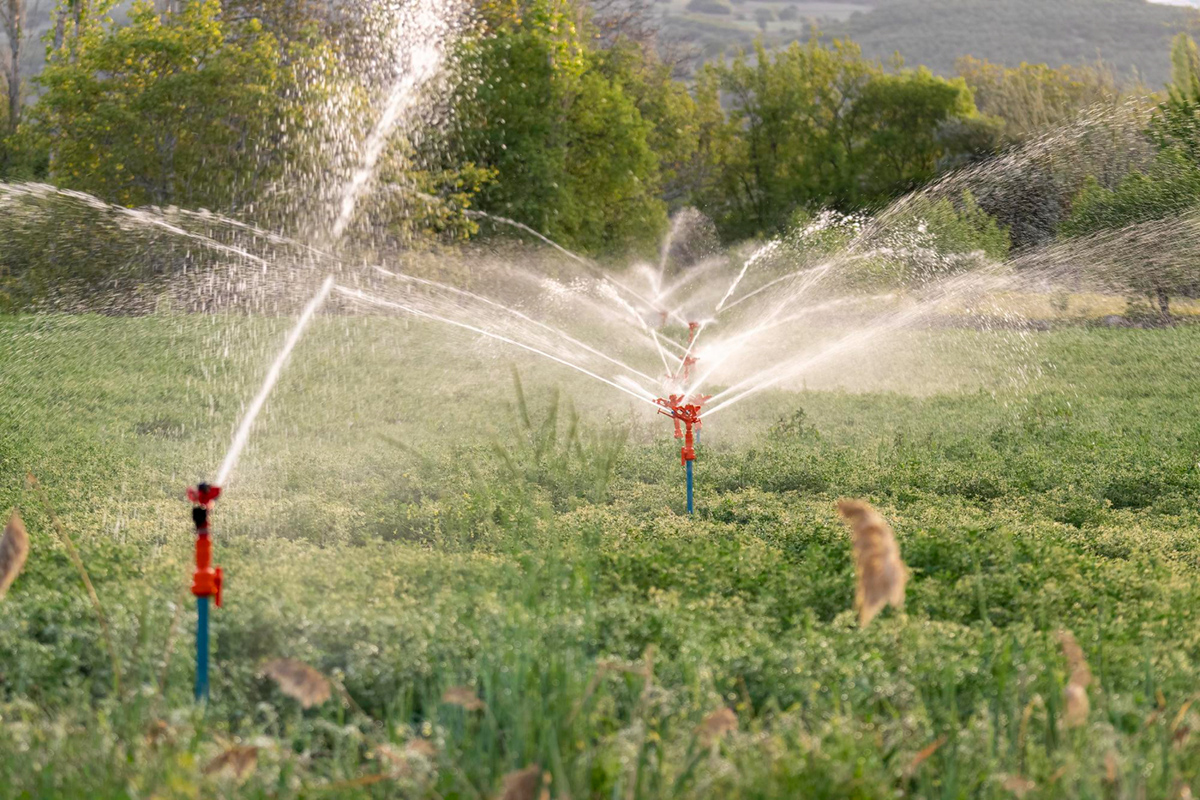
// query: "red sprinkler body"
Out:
[687,415]
[206,581]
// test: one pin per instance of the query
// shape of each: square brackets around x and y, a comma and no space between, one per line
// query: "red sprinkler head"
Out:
[693,329]
[203,494]
[686,414]
[206,580]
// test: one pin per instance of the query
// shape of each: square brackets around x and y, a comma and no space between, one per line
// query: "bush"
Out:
[710,7]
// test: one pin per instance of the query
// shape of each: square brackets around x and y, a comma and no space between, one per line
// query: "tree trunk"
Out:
[12,15]
[1164,305]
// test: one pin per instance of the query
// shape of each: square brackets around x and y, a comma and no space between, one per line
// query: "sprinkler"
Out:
[206,582]
[686,416]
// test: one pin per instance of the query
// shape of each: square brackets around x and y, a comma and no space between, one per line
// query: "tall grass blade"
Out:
[65,538]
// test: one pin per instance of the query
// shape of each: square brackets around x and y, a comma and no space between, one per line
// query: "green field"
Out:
[399,525]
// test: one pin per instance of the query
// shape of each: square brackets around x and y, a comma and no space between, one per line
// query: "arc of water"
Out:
[430,31]
[763,326]
[765,379]
[646,397]
[243,432]
[519,315]
[591,266]
[145,217]
[754,258]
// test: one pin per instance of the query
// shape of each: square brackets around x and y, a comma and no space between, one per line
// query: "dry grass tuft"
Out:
[463,697]
[716,725]
[14,549]
[1075,697]
[299,681]
[526,784]
[237,762]
[877,563]
[1018,785]
[924,755]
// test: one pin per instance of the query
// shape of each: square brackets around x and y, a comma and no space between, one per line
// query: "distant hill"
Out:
[1133,36]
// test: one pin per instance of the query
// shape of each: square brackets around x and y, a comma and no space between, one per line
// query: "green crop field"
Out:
[408,522]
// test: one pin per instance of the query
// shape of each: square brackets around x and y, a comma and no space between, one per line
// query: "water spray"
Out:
[206,581]
[686,416]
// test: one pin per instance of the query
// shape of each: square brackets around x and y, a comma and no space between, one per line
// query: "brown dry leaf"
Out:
[1081,674]
[522,784]
[717,724]
[421,747]
[299,681]
[158,731]
[1181,735]
[1111,768]
[1018,785]
[236,761]
[880,570]
[1076,704]
[14,549]
[1185,792]
[923,756]
[463,697]
[1075,698]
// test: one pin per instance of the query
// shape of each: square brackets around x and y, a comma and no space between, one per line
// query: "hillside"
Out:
[1132,35]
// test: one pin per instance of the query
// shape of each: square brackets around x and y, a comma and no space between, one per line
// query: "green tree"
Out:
[818,125]
[1168,190]
[180,108]
[570,150]
[1030,99]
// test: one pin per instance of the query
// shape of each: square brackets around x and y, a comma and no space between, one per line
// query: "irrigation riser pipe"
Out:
[207,580]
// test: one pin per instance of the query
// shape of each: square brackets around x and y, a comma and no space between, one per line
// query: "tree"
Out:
[1031,99]
[12,21]
[1169,190]
[173,109]
[818,125]
[553,120]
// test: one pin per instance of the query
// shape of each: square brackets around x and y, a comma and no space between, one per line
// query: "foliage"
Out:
[817,125]
[182,109]
[570,149]
[1066,506]
[1169,188]
[1033,98]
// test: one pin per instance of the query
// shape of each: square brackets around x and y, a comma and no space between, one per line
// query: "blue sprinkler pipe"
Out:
[201,649]
[691,508]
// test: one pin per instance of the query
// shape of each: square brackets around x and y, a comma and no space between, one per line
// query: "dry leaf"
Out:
[1181,735]
[1081,674]
[463,697]
[716,725]
[299,681]
[1185,792]
[1018,785]
[237,762]
[14,549]
[421,747]
[1111,768]
[1077,705]
[158,731]
[923,756]
[522,784]
[880,570]
[1075,698]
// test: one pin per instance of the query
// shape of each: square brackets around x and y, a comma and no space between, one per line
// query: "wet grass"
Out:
[404,523]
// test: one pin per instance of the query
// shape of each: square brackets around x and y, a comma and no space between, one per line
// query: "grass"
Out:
[406,524]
